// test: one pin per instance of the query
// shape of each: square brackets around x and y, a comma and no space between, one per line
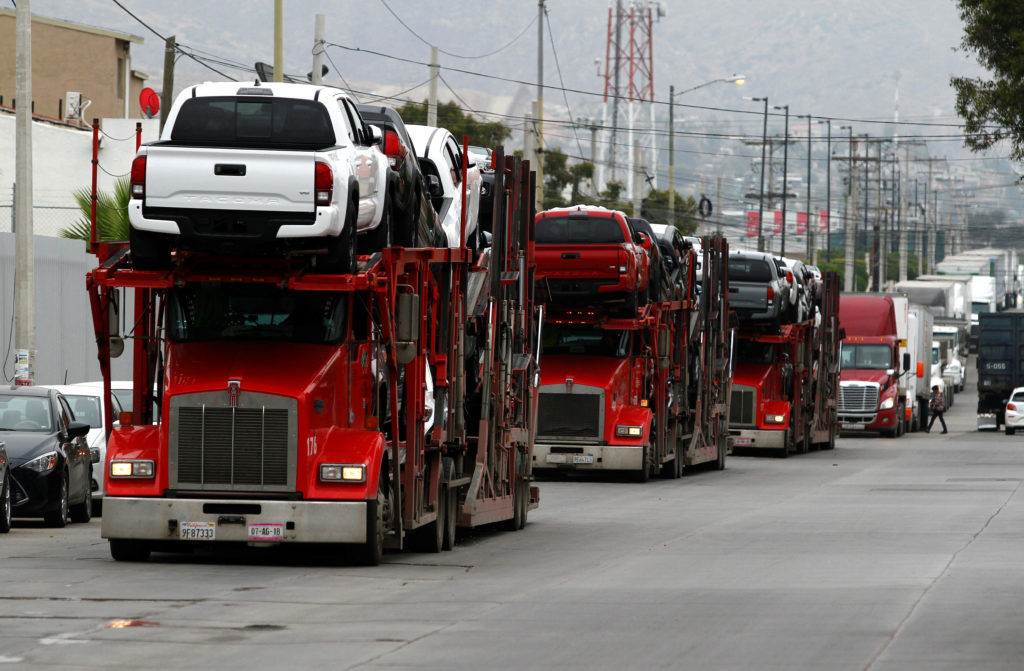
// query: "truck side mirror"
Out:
[920,369]
[906,361]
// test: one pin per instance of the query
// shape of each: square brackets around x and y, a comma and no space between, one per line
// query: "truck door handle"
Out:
[230,169]
[570,255]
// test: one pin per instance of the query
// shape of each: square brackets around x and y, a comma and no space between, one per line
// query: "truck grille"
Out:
[572,416]
[743,406]
[251,447]
[858,398]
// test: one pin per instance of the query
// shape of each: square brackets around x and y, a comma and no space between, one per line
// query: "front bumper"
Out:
[34,493]
[588,457]
[759,438]
[876,421]
[303,521]
[988,420]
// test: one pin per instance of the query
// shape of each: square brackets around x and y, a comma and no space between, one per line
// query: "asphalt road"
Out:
[882,554]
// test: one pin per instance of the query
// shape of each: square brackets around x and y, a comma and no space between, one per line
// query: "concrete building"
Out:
[71,57]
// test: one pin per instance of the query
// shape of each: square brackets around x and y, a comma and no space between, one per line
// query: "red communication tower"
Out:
[628,114]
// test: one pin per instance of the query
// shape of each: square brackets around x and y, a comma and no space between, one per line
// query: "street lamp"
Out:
[760,199]
[828,192]
[735,79]
[785,174]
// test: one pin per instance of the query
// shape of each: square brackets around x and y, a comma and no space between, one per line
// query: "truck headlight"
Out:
[42,463]
[887,403]
[343,472]
[623,431]
[774,419]
[132,468]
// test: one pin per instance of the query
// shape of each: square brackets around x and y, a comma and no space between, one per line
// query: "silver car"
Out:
[758,288]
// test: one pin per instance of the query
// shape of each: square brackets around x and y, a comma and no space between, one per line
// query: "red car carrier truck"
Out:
[785,381]
[367,410]
[639,387]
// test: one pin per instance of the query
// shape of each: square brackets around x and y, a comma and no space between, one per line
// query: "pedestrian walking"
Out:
[937,405]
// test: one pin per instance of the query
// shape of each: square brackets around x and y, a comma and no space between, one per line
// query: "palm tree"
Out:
[111,214]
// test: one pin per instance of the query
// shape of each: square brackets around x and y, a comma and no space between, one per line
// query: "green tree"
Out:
[558,175]
[993,109]
[451,116]
[111,214]
[655,210]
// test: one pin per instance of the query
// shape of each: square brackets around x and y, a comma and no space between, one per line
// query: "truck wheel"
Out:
[341,250]
[127,549]
[672,470]
[377,512]
[381,237]
[430,537]
[1010,430]
[783,452]
[516,522]
[644,474]
[451,519]
[149,251]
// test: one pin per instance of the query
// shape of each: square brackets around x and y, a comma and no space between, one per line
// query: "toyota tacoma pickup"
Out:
[262,168]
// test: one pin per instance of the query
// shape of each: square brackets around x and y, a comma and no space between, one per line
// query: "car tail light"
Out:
[771,294]
[623,262]
[323,183]
[789,277]
[1011,406]
[393,148]
[138,178]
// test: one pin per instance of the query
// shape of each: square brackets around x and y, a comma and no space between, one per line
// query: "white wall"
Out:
[62,163]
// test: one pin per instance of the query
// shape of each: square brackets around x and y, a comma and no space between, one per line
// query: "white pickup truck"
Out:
[263,168]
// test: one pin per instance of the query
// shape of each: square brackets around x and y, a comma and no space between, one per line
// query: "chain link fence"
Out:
[48,220]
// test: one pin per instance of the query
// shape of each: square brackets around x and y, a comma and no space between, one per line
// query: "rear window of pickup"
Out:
[253,122]
[579,231]
[749,270]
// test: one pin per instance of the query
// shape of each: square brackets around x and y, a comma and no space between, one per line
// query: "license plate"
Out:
[582,459]
[268,531]
[556,459]
[853,425]
[741,442]
[197,531]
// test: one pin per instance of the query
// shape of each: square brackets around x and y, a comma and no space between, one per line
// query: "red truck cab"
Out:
[590,254]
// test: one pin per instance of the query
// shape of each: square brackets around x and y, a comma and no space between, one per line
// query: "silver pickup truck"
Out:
[256,169]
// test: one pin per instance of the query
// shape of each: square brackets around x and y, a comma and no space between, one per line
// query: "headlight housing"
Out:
[887,403]
[343,472]
[772,418]
[42,463]
[132,468]
[623,431]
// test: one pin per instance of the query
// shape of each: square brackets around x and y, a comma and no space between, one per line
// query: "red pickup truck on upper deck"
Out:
[589,254]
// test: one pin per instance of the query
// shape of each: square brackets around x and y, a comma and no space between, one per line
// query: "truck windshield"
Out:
[579,231]
[979,308]
[564,339]
[935,355]
[876,357]
[253,122]
[212,311]
[748,351]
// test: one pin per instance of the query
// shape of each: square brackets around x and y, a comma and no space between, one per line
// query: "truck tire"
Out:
[673,469]
[341,250]
[377,512]
[381,237]
[430,537]
[783,452]
[1010,430]
[149,251]
[451,519]
[129,549]
[644,474]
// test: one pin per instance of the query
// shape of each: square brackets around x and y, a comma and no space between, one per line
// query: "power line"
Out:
[448,53]
[558,68]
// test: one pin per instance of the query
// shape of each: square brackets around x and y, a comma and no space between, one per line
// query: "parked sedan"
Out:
[50,460]
[86,402]
[1015,411]
[5,491]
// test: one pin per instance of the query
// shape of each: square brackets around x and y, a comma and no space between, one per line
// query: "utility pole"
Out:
[435,68]
[638,179]
[850,224]
[930,213]
[880,230]
[539,165]
[24,242]
[718,206]
[278,40]
[318,49]
[167,94]
[671,156]
[810,222]
[785,176]
[902,228]
[828,194]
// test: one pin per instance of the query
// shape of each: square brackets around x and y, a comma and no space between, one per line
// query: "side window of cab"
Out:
[346,120]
